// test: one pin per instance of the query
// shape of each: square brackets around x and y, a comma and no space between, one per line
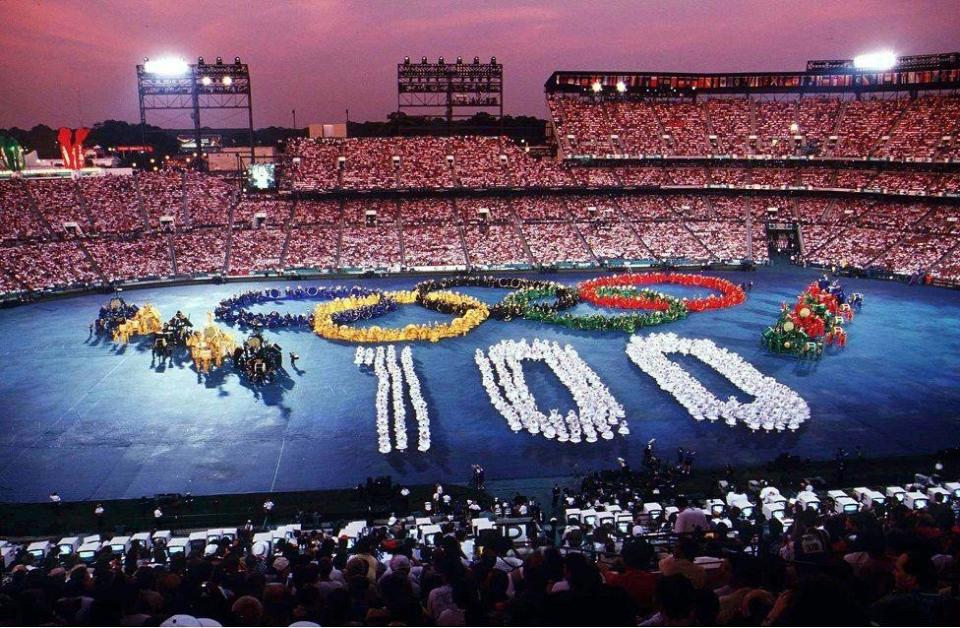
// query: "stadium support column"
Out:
[340,219]
[449,100]
[231,212]
[195,96]
[173,253]
[143,119]
[403,251]
[250,119]
[184,200]
[288,231]
[501,105]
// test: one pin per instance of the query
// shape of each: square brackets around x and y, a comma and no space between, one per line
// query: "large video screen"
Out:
[262,177]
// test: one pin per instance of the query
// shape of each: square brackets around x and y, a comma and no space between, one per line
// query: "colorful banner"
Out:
[11,154]
[71,146]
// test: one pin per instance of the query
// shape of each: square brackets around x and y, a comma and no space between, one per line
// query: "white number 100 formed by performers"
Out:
[598,414]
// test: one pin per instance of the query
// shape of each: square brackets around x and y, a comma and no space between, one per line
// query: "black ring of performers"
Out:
[234,309]
[565,297]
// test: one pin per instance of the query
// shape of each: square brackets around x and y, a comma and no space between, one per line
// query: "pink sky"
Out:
[72,62]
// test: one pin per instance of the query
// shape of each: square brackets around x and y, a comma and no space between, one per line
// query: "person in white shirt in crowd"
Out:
[689,519]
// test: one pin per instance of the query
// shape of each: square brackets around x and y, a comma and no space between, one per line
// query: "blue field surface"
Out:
[94,421]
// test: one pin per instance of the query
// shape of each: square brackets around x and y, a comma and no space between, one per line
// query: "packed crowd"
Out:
[490,162]
[490,232]
[622,546]
[554,242]
[911,241]
[432,245]
[111,205]
[84,231]
[162,194]
[256,250]
[37,266]
[59,205]
[613,240]
[208,199]
[311,247]
[899,237]
[18,221]
[414,163]
[200,251]
[902,129]
[119,259]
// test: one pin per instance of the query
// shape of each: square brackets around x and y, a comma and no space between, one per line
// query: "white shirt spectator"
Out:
[690,520]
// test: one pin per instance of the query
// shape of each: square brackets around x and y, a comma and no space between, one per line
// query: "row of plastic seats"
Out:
[773,504]
[428,530]
[612,514]
[87,547]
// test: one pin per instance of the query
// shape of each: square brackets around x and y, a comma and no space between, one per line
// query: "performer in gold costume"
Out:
[210,346]
[146,321]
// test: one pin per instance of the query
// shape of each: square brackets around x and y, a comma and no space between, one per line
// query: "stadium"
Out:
[690,356]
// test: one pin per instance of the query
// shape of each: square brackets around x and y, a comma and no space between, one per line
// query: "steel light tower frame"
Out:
[450,87]
[197,87]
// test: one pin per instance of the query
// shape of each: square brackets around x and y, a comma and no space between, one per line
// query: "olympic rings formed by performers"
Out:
[350,305]
[548,313]
[364,308]
[641,299]
[525,300]
[505,310]
[234,309]
[619,291]
[405,297]
[328,321]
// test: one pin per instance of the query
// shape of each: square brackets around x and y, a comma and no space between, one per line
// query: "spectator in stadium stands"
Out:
[916,599]
[681,562]
[675,601]
[689,519]
[237,582]
[635,578]
[817,601]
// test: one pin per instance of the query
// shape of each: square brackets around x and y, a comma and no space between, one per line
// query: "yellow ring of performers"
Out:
[405,297]
[476,312]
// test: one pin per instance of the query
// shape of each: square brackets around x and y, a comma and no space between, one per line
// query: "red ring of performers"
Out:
[729,293]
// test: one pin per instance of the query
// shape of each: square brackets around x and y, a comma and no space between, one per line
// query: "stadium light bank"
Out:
[884,60]
[166,66]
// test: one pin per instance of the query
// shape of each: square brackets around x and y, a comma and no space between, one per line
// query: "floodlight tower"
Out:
[455,90]
[876,61]
[172,84]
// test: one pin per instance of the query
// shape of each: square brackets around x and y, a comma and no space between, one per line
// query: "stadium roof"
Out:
[930,71]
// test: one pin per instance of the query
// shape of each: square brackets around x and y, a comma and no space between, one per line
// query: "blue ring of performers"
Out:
[383,306]
[235,309]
